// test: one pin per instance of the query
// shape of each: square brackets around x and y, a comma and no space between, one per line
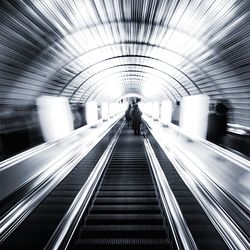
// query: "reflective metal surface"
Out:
[65,230]
[50,173]
[219,181]
[182,234]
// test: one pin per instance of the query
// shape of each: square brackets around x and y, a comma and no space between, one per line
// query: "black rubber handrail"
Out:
[11,220]
[65,230]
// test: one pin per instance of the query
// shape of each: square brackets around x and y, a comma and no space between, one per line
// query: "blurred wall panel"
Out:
[194,115]
[55,117]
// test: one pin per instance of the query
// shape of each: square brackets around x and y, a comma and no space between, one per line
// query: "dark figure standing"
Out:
[176,113]
[221,111]
[128,115]
[217,124]
[136,117]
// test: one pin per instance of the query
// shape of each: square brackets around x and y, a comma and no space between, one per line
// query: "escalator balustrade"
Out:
[125,211]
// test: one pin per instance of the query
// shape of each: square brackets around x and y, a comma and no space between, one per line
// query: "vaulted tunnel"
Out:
[76,48]
[81,167]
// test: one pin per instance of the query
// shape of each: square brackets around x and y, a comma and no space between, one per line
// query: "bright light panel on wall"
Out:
[194,115]
[115,108]
[55,117]
[166,112]
[91,113]
[112,109]
[142,107]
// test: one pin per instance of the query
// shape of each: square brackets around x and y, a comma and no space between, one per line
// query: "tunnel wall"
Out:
[78,49]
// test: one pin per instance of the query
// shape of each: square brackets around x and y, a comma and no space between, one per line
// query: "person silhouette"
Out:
[217,123]
[128,115]
[136,117]
[176,113]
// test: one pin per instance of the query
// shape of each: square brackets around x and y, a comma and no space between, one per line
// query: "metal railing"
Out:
[181,232]
[57,172]
[66,228]
[208,193]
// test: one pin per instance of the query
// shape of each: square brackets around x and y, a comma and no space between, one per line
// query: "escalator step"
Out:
[131,243]
[123,228]
[127,181]
[125,193]
[204,233]
[124,208]
[130,168]
[124,212]
[127,200]
[127,188]
[124,219]
[123,231]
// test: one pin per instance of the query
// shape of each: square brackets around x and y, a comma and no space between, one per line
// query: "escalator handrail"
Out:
[40,148]
[224,161]
[230,232]
[24,155]
[36,150]
[181,232]
[236,159]
[226,226]
[230,156]
[14,217]
[21,169]
[67,226]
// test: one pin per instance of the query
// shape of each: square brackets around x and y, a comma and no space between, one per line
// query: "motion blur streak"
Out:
[159,50]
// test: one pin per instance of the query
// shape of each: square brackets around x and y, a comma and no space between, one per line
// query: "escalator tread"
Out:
[125,212]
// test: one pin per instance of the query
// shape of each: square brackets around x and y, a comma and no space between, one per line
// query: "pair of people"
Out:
[134,115]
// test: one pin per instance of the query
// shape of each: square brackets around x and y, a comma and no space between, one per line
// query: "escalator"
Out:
[125,212]
[205,235]
[35,231]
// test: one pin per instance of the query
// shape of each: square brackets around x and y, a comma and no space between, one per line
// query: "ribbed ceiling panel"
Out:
[151,48]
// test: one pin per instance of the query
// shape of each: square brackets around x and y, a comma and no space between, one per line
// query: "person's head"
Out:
[221,108]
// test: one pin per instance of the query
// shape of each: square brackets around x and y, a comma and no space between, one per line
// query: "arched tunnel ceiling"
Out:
[151,48]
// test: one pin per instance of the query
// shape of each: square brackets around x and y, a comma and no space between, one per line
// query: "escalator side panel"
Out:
[203,231]
[38,227]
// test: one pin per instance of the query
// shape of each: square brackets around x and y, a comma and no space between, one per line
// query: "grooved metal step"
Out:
[122,243]
[124,208]
[125,212]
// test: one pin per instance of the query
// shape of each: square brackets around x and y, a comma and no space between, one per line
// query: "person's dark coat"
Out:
[136,117]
